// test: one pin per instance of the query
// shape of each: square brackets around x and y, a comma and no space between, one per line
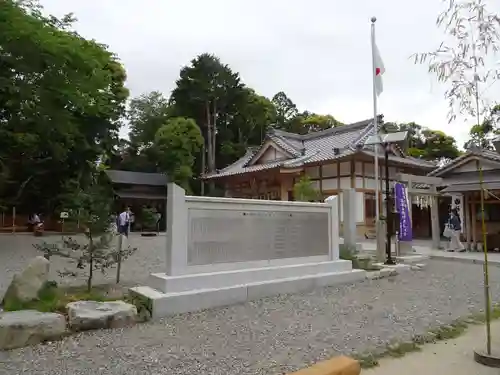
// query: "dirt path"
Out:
[454,357]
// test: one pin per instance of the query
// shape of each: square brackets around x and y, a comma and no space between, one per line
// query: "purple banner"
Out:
[405,232]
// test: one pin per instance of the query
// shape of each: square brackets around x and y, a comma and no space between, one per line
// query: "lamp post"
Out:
[385,140]
[388,208]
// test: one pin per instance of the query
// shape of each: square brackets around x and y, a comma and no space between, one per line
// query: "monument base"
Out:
[168,295]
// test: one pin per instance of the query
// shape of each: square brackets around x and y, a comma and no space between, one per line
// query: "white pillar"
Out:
[349,217]
[177,227]
[381,239]
[468,221]
[333,201]
[435,227]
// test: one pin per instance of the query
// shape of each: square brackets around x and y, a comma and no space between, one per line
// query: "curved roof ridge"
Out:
[286,145]
[327,132]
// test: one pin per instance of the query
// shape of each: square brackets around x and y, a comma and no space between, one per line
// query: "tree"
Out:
[286,110]
[92,208]
[252,117]
[61,100]
[473,32]
[307,122]
[289,119]
[148,219]
[438,146]
[483,134]
[147,113]
[462,62]
[175,145]
[425,143]
[206,92]
[304,191]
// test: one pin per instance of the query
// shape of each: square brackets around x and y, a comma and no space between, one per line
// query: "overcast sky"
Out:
[316,51]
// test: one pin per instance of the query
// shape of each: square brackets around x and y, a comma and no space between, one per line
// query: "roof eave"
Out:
[438,172]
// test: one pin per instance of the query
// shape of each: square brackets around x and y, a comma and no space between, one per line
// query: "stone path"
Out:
[273,335]
[424,247]
[453,357]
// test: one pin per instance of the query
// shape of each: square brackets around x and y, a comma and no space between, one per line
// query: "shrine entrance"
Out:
[422,193]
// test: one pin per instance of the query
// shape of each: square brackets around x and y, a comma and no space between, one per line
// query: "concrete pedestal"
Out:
[168,295]
[405,248]
[349,219]
[380,232]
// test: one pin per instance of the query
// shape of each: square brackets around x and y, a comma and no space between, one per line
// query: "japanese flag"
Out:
[379,70]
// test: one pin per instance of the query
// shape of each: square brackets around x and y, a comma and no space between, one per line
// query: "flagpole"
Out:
[375,130]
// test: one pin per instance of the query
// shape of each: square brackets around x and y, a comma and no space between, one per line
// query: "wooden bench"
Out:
[336,366]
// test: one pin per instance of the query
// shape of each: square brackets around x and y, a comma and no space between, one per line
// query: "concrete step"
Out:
[164,304]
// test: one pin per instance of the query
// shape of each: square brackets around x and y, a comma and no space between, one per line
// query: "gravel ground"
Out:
[273,335]
[17,250]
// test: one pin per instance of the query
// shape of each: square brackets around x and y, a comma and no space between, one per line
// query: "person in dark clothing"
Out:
[456,229]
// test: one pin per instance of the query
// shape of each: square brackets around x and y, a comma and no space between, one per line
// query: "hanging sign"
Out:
[405,231]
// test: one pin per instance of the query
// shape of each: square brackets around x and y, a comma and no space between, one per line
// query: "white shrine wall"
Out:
[211,234]
[221,251]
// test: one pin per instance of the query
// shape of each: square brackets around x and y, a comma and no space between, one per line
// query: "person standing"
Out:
[124,221]
[456,229]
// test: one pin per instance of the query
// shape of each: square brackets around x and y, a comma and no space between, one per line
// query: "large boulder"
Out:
[29,327]
[87,315]
[25,286]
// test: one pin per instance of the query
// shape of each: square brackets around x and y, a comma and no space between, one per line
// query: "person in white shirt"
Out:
[123,222]
[34,222]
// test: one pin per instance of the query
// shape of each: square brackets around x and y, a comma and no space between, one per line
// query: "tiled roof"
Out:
[471,177]
[136,178]
[330,144]
[484,154]
[408,160]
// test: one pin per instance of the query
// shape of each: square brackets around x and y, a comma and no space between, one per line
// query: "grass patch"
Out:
[51,298]
[444,332]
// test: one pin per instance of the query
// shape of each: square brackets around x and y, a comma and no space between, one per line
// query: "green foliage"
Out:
[230,116]
[51,298]
[304,191]
[347,252]
[481,135]
[91,204]
[63,99]
[147,114]
[143,304]
[148,218]
[208,92]
[176,144]
[289,119]
[61,96]
[91,207]
[443,332]
[358,262]
[427,144]
[286,109]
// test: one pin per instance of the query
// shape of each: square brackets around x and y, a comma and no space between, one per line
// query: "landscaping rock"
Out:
[87,315]
[25,286]
[29,327]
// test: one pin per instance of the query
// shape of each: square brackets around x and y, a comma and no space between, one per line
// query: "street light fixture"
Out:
[386,140]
